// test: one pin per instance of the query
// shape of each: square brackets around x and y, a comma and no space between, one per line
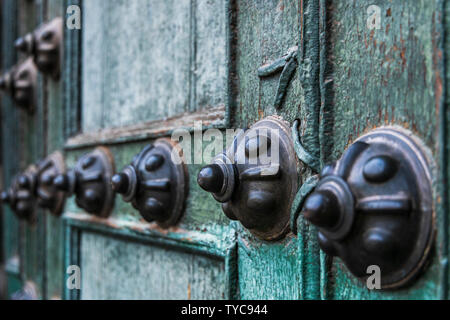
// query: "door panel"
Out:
[147,69]
[139,70]
[147,60]
[10,131]
[267,31]
[149,272]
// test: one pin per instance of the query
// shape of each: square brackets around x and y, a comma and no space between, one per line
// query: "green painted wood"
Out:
[203,215]
[175,63]
[268,270]
[37,133]
[10,136]
[391,76]
[71,77]
[157,273]
[213,252]
[266,30]
[54,262]
[349,80]
[444,152]
[30,15]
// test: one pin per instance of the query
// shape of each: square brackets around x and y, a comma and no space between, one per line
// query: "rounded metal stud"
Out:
[125,183]
[62,182]
[152,208]
[47,179]
[24,182]
[21,44]
[155,183]
[23,207]
[91,196]
[211,178]
[120,183]
[48,196]
[322,209]
[379,169]
[261,202]
[219,177]
[91,182]
[87,162]
[154,162]
[3,83]
[380,242]
[4,197]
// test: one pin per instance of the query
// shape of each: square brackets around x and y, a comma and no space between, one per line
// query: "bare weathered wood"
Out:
[10,137]
[209,118]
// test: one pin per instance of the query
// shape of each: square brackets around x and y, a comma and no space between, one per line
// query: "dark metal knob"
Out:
[6,82]
[24,182]
[20,195]
[21,44]
[160,175]
[5,197]
[322,209]
[49,195]
[62,183]
[211,178]
[120,183]
[90,181]
[255,182]
[20,84]
[44,44]
[374,207]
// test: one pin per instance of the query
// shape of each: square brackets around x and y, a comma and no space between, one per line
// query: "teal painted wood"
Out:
[133,271]
[266,31]
[268,270]
[36,134]
[203,228]
[364,80]
[10,136]
[171,66]
[391,76]
[30,15]
[54,249]
[209,54]
[444,153]
[218,261]
[71,77]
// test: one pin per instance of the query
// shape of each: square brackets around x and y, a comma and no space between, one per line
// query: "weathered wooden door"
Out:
[139,70]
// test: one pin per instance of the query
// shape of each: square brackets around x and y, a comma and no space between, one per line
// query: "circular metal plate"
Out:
[267,186]
[414,168]
[167,183]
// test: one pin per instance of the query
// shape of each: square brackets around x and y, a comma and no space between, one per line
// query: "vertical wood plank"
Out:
[54,262]
[10,139]
[390,76]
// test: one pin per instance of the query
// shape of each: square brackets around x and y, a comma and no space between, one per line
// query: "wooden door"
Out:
[139,70]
